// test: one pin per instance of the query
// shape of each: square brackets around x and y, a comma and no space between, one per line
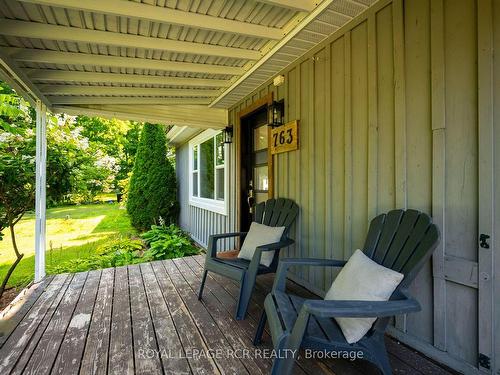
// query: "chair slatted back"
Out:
[280,212]
[402,240]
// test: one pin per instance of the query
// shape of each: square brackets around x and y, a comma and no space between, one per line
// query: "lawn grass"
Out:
[72,232]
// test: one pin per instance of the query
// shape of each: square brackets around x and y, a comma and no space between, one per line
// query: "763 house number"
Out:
[285,138]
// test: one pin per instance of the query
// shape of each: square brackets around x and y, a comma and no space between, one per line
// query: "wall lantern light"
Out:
[228,134]
[276,113]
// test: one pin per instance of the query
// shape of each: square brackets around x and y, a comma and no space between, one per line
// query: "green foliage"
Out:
[167,242]
[109,159]
[153,187]
[74,232]
[118,253]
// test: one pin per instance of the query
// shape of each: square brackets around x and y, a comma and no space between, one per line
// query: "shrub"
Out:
[117,253]
[166,242]
[153,187]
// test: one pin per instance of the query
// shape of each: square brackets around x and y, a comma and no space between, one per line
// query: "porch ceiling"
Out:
[76,55]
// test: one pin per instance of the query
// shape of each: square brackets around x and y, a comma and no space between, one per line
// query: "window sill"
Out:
[209,205]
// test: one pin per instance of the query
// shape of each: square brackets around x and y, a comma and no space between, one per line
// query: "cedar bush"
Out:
[153,187]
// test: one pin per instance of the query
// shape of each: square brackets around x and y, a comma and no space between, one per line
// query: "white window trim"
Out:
[214,205]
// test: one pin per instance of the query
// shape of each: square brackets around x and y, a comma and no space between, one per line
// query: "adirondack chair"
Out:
[274,212]
[400,240]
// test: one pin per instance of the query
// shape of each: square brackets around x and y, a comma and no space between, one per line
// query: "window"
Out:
[208,177]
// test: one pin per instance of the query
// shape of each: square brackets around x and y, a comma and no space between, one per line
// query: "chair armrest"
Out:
[257,255]
[285,264]
[227,235]
[360,309]
[212,241]
[276,245]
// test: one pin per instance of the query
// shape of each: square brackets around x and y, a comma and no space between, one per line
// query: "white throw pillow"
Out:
[258,235]
[362,279]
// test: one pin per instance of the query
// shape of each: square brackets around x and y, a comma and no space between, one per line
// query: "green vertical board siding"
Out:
[359,105]
[419,142]
[320,138]
[388,118]
[386,196]
[337,118]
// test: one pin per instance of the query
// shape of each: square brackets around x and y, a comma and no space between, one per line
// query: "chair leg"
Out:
[260,329]
[383,362]
[203,279]
[285,360]
[246,289]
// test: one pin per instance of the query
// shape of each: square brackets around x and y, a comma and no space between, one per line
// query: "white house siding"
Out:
[199,222]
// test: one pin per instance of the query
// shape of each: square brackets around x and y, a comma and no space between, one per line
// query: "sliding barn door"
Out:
[486,185]
[463,185]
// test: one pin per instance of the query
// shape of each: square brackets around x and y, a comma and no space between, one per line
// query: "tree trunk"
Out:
[19,256]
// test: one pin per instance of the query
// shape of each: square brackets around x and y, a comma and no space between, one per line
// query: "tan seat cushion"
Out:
[231,254]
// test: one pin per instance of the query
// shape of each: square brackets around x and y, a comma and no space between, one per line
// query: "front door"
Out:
[254,164]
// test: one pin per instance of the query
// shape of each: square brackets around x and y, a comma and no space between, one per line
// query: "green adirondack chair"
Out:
[275,213]
[400,240]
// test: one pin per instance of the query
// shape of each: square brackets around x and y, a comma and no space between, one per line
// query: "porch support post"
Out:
[40,197]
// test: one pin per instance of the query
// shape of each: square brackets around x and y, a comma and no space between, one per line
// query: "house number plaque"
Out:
[285,138]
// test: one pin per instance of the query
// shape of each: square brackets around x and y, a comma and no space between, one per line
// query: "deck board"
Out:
[121,350]
[189,335]
[28,346]
[235,332]
[14,313]
[75,337]
[44,355]
[146,319]
[210,330]
[95,356]
[166,335]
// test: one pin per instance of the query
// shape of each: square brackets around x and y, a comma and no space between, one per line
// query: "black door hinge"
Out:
[483,241]
[484,361]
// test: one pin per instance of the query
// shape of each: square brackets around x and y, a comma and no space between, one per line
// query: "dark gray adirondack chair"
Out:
[400,240]
[274,212]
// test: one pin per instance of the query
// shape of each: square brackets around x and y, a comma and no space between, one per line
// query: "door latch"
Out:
[484,361]
[483,241]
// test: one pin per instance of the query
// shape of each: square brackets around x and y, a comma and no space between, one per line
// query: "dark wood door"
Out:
[254,164]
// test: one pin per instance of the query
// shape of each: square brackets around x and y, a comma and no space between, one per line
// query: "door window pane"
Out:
[207,175]
[260,157]
[260,138]
[261,178]
[260,197]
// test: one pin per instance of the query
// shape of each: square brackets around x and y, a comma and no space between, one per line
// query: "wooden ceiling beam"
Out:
[123,91]
[300,5]
[88,59]
[83,100]
[54,75]
[26,29]
[130,9]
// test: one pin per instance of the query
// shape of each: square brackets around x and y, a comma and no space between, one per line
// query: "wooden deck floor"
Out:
[146,319]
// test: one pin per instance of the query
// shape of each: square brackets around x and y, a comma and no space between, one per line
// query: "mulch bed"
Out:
[8,296]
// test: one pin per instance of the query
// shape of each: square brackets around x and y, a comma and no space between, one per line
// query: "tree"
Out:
[114,144]
[17,164]
[153,187]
